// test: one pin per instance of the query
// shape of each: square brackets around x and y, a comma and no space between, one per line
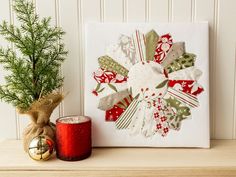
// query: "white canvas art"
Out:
[147,84]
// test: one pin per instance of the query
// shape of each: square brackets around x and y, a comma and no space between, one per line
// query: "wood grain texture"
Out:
[220,160]
[197,172]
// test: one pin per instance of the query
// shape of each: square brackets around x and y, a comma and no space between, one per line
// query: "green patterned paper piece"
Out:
[182,112]
[124,120]
[151,44]
[185,61]
[112,87]
[162,84]
[109,64]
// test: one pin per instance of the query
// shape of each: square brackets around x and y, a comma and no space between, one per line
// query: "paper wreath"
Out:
[147,84]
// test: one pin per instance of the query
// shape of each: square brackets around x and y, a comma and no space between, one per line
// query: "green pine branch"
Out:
[35,68]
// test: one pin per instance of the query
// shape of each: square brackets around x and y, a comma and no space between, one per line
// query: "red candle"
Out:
[73,138]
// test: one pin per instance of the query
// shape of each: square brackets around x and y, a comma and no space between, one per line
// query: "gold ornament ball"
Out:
[41,148]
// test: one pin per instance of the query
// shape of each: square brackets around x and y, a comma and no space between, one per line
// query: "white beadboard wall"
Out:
[73,14]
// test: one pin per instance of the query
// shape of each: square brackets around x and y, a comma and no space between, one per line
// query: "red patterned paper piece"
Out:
[160,114]
[186,86]
[114,113]
[103,76]
[164,44]
[162,126]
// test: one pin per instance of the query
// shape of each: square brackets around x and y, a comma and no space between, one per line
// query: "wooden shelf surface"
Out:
[220,160]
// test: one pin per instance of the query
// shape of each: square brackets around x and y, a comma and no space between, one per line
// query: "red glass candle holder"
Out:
[73,138]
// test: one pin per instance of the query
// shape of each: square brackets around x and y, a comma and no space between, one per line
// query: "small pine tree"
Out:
[34,72]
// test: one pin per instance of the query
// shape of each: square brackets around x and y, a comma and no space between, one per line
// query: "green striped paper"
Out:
[125,119]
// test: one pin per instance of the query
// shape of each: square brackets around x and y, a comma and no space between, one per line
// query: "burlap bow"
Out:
[40,112]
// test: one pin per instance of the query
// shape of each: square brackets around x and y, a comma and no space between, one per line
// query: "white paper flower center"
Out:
[144,77]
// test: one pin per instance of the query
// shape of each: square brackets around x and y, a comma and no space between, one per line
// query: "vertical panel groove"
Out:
[193,10]
[57,13]
[102,10]
[81,53]
[17,126]
[124,10]
[147,12]
[234,103]
[213,64]
[57,25]
[170,10]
